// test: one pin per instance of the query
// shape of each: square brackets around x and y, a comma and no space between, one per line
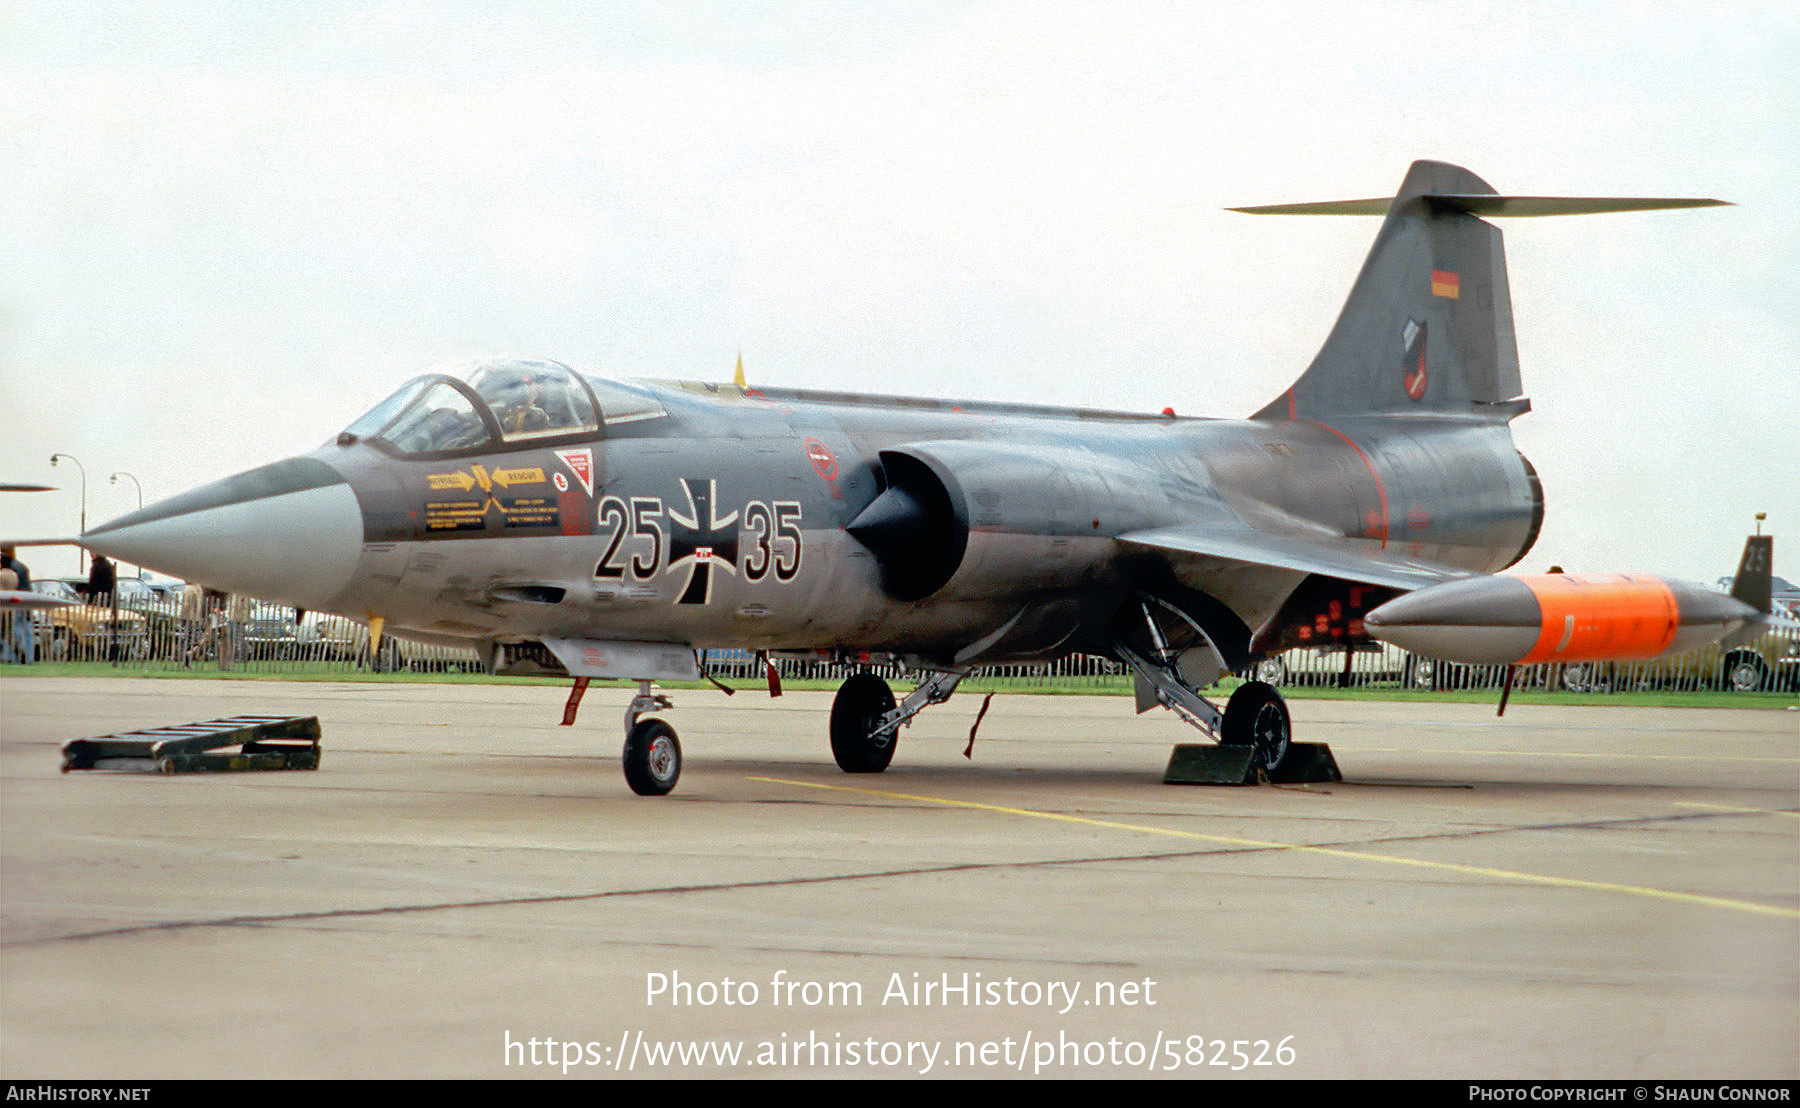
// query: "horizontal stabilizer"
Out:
[1304,555]
[1489,205]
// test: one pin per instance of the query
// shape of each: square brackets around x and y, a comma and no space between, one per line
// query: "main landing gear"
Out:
[1254,733]
[865,721]
[1256,716]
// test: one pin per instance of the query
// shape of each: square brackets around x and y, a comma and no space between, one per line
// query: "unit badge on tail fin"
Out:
[1412,359]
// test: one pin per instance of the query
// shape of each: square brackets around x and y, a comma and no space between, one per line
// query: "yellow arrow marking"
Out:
[1328,851]
[457,480]
[524,476]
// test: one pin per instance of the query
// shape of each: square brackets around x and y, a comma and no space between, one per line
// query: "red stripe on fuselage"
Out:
[1380,489]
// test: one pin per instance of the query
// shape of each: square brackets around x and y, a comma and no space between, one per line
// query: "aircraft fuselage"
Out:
[723,524]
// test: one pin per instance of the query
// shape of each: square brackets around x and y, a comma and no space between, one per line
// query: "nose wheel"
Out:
[652,758]
[652,754]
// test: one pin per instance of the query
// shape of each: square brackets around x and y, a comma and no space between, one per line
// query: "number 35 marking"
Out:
[775,541]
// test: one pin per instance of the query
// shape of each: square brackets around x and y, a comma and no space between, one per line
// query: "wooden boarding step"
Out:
[268,742]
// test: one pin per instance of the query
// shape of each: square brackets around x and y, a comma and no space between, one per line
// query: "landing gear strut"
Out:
[652,754]
[865,722]
[1254,717]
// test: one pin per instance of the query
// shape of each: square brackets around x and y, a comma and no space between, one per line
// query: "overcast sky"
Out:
[226,230]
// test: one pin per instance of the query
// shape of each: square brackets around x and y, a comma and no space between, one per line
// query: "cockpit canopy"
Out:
[495,404]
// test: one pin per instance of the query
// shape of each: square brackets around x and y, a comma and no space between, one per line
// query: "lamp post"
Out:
[53,460]
[114,479]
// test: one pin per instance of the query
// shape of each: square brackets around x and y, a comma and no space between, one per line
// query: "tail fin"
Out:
[1428,326]
[1754,583]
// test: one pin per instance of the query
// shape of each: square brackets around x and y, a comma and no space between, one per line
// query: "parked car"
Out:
[399,653]
[137,595]
[84,631]
[1771,661]
[1373,664]
[168,592]
[1370,664]
[272,632]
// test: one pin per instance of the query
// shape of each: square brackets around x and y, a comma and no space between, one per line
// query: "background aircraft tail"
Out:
[1428,326]
[1754,583]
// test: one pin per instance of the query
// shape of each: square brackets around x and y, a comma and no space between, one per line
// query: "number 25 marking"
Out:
[639,522]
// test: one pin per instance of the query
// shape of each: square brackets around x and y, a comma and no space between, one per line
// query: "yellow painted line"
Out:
[1328,851]
[1729,808]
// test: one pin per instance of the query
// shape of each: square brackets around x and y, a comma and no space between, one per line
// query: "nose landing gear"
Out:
[652,754]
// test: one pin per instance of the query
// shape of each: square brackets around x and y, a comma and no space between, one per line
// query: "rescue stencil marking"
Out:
[466,480]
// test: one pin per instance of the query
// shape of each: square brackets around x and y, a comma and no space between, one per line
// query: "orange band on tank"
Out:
[1593,619]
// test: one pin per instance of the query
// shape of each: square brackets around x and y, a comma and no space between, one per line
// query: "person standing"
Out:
[102,579]
[240,609]
[212,637]
[191,617]
[21,637]
[9,581]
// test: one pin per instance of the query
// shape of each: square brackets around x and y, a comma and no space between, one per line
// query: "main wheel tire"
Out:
[1744,672]
[1257,717]
[860,703]
[652,758]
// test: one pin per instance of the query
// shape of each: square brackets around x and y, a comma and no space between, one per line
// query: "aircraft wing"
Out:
[15,600]
[1295,552]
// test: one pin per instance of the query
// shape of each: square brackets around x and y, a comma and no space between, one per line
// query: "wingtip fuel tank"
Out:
[1557,617]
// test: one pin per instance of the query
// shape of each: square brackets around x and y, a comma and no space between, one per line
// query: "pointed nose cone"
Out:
[289,532]
[891,525]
